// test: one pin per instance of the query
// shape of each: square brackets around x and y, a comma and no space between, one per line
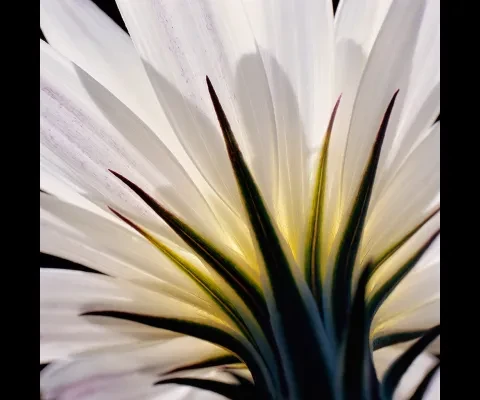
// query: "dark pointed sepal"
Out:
[349,245]
[221,263]
[355,379]
[307,358]
[314,233]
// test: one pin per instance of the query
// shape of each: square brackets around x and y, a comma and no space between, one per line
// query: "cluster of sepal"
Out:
[300,337]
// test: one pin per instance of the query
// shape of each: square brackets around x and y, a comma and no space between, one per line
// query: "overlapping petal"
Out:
[138,105]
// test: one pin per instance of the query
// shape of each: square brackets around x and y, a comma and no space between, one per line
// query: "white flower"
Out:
[303,176]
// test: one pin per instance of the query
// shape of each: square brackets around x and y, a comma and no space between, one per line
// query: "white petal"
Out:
[433,391]
[65,295]
[108,247]
[92,292]
[113,249]
[414,305]
[406,252]
[213,374]
[420,317]
[423,363]
[359,21]
[412,134]
[295,39]
[412,302]
[407,200]
[350,59]
[52,182]
[181,42]
[83,139]
[127,373]
[84,34]
[64,333]
[421,102]
[384,73]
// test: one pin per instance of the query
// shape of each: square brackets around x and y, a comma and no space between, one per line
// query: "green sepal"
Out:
[313,240]
[221,263]
[342,273]
[395,338]
[355,380]
[306,361]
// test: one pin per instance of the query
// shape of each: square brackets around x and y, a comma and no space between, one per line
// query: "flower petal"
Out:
[180,43]
[84,34]
[63,333]
[66,294]
[295,39]
[410,135]
[413,255]
[110,248]
[383,359]
[421,105]
[433,389]
[83,139]
[385,72]
[90,292]
[414,304]
[411,195]
[357,23]
[360,21]
[127,373]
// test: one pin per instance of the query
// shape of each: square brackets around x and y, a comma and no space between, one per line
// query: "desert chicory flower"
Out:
[257,183]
